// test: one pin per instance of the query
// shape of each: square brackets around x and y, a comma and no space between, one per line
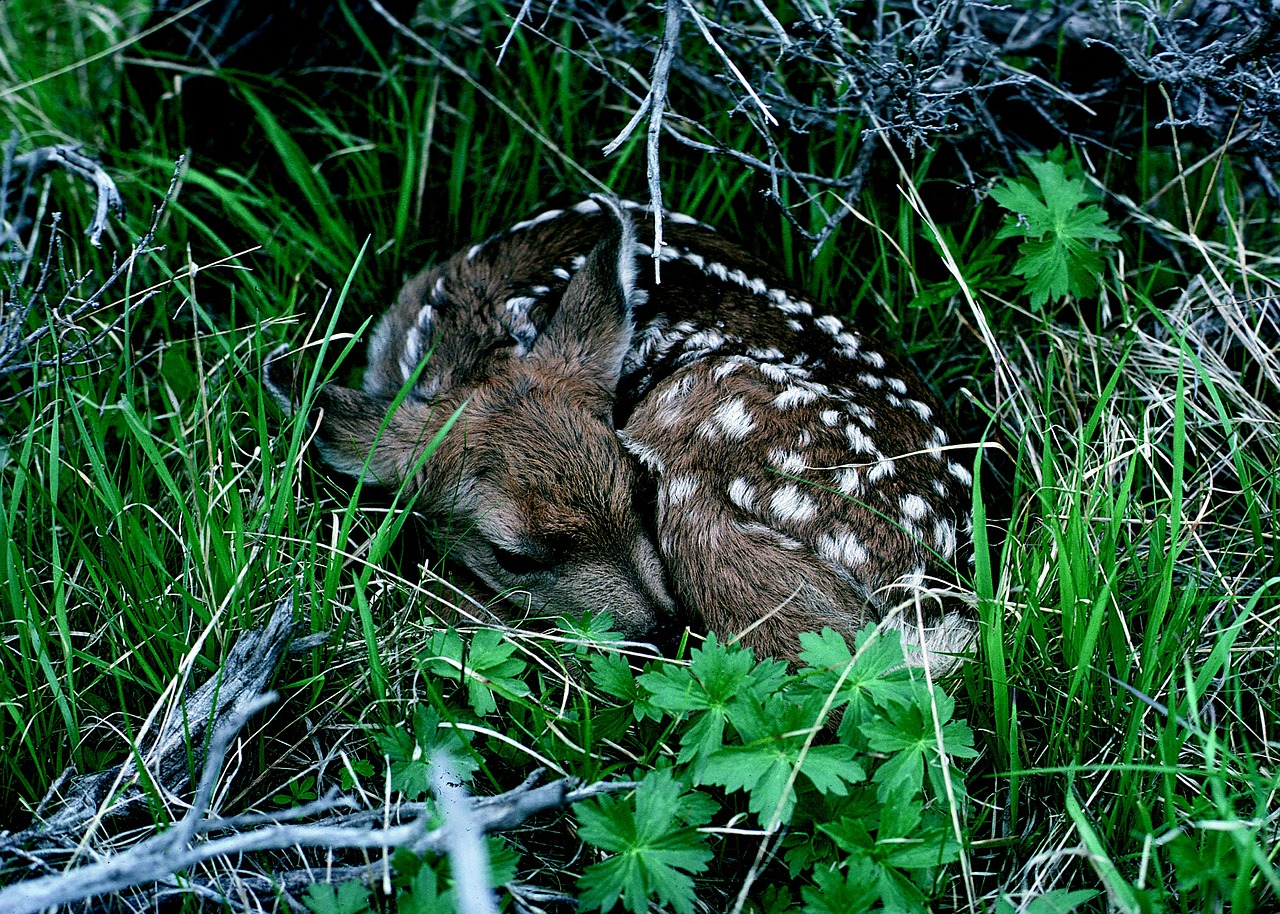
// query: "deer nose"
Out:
[667,632]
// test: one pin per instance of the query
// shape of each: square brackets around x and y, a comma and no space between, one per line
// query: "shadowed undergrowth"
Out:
[1111,746]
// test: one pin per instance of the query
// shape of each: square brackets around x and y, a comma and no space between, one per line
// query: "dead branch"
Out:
[215,714]
[74,344]
[986,79]
[18,174]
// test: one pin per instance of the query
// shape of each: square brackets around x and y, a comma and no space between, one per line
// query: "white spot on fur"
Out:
[874,359]
[795,325]
[842,548]
[789,504]
[790,306]
[475,249]
[897,385]
[645,453]
[742,494]
[870,380]
[848,481]
[923,410]
[830,417]
[859,443]
[914,507]
[794,396]
[765,353]
[586,207]
[959,472]
[913,579]
[724,369]
[409,356]
[733,419]
[755,528]
[438,291]
[804,439]
[706,340]
[829,324]
[538,220]
[944,538]
[882,470]
[670,414]
[775,373]
[675,391]
[787,461]
[680,489]
[561,273]
[954,635]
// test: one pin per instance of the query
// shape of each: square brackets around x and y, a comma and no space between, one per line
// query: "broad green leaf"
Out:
[775,733]
[717,679]
[424,895]
[654,852]
[349,898]
[1056,222]
[851,892]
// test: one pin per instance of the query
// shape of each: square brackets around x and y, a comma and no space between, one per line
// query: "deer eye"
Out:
[520,563]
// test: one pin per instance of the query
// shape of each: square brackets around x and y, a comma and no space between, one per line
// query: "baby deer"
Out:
[803,478]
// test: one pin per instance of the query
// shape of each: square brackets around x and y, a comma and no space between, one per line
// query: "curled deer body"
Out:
[804,478]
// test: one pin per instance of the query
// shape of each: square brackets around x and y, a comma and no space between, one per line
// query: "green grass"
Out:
[1125,696]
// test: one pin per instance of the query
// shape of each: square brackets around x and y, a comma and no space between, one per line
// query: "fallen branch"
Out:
[73,343]
[32,165]
[222,707]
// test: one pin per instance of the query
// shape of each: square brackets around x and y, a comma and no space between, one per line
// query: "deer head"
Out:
[532,478]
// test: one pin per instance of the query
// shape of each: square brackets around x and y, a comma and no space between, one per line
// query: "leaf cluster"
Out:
[845,766]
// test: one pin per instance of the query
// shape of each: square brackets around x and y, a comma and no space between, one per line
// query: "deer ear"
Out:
[352,429]
[590,333]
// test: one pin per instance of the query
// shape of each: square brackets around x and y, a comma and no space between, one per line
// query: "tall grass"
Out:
[1126,687]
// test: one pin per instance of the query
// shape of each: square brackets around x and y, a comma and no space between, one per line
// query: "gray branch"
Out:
[33,165]
[215,713]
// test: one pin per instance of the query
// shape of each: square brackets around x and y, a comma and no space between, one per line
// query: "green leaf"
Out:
[612,674]
[410,754]
[776,733]
[487,666]
[1056,222]
[717,679]
[851,893]
[909,738]
[423,895]
[1055,901]
[875,681]
[349,898]
[653,852]
[362,768]
[591,629]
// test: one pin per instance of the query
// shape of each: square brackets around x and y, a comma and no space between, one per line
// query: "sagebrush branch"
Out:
[223,705]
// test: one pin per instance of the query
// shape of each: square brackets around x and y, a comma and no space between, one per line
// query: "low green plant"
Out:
[1053,211]
[846,767]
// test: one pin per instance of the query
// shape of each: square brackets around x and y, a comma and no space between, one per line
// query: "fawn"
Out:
[803,477]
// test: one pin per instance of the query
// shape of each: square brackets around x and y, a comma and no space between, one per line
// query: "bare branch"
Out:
[222,706]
